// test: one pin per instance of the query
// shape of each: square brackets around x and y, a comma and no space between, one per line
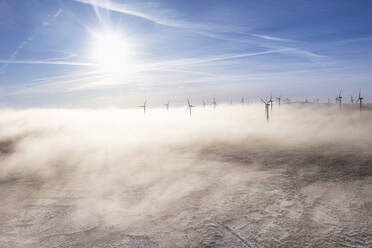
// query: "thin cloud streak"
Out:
[91,82]
[303,53]
[122,8]
[48,62]
[202,29]
[268,37]
[187,62]
[13,56]
[356,40]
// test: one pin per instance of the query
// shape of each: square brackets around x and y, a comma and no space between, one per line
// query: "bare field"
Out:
[223,178]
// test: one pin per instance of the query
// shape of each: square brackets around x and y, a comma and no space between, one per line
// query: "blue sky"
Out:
[71,53]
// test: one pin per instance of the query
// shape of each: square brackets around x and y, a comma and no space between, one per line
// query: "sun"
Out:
[111,51]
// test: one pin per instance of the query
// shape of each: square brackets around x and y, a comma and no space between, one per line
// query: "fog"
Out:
[158,176]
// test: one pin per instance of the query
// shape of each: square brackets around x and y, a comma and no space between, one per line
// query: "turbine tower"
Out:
[143,106]
[360,100]
[267,104]
[189,106]
[279,99]
[271,101]
[167,105]
[339,100]
[214,103]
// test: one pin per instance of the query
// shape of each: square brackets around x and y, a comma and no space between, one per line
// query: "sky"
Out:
[101,53]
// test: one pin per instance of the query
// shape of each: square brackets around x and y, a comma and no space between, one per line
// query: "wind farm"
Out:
[192,124]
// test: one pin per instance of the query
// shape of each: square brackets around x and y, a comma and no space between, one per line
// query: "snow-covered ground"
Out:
[222,178]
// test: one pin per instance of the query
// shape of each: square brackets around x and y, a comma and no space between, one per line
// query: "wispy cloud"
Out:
[51,18]
[204,60]
[97,78]
[148,66]
[47,62]
[140,73]
[210,30]
[125,9]
[59,11]
[268,37]
[15,53]
[369,38]
[302,52]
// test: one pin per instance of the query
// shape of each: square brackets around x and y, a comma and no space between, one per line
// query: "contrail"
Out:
[48,62]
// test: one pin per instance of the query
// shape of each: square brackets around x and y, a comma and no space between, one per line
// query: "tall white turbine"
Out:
[189,106]
[339,100]
[167,105]
[271,101]
[267,105]
[143,106]
[214,103]
[360,100]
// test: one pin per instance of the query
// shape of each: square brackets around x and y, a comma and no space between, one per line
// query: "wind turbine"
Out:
[143,106]
[339,100]
[242,101]
[279,99]
[271,101]
[167,105]
[267,104]
[214,103]
[360,100]
[189,106]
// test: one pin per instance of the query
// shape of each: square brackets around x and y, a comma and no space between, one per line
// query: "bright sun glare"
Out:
[111,51]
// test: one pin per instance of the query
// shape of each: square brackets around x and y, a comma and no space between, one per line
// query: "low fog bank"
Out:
[120,168]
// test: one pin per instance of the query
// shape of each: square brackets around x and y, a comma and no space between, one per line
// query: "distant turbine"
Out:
[189,106]
[267,104]
[214,103]
[279,99]
[167,105]
[271,101]
[242,101]
[339,100]
[360,100]
[143,106]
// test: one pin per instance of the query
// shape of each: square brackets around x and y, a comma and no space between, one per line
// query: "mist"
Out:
[119,178]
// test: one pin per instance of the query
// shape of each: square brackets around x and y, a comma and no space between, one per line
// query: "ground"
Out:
[247,191]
